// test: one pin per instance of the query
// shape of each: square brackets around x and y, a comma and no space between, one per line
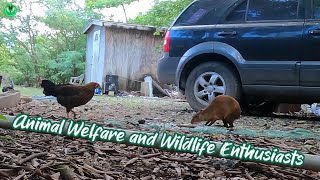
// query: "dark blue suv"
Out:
[262,52]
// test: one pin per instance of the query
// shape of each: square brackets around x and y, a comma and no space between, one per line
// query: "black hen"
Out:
[69,95]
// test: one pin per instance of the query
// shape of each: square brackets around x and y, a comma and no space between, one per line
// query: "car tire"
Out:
[224,76]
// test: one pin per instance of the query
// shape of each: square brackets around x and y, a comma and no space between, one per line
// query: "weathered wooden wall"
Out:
[131,54]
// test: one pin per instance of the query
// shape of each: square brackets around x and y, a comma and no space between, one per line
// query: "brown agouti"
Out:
[223,107]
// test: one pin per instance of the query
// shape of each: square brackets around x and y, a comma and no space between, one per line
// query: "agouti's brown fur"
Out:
[223,107]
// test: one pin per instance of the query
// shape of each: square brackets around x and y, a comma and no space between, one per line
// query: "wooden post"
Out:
[144,89]
[311,162]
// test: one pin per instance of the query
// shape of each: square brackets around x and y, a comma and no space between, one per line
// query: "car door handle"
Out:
[317,31]
[226,33]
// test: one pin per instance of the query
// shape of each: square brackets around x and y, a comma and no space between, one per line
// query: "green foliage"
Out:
[107,3]
[5,57]
[2,5]
[25,67]
[60,53]
[100,4]
[7,64]
[3,118]
[162,14]
[65,48]
[70,63]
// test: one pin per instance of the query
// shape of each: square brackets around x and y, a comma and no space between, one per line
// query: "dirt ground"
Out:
[63,158]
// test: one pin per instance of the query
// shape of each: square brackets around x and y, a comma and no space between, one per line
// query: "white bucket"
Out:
[148,79]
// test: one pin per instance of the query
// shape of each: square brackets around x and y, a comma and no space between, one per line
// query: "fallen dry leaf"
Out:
[81,159]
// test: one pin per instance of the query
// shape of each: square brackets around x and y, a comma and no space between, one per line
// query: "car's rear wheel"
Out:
[209,80]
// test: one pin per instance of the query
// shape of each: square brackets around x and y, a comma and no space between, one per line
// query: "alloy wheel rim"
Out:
[207,86]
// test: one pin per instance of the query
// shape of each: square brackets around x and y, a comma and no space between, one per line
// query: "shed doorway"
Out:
[95,57]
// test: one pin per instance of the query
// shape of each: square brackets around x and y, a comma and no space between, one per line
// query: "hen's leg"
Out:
[225,124]
[207,123]
[210,123]
[74,114]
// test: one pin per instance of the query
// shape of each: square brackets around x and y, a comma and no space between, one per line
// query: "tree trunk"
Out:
[125,13]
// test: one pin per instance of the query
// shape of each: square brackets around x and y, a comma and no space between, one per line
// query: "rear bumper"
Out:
[166,70]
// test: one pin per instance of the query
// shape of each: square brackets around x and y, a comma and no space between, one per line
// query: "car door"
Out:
[268,39]
[195,26]
[310,60]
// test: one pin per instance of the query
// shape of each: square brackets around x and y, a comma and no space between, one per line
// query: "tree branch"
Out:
[125,13]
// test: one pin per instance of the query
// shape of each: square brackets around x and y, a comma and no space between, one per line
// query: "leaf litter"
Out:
[28,155]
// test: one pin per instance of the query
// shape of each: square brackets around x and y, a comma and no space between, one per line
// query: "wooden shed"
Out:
[126,50]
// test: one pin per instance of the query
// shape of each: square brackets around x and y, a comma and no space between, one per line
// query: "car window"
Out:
[272,10]
[199,13]
[316,9]
[237,14]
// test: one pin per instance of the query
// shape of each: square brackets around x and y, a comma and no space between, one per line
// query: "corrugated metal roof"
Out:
[120,25]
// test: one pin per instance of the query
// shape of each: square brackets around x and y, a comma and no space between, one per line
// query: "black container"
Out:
[112,87]
[112,79]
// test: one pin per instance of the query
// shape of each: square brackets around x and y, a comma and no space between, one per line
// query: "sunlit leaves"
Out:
[70,63]
[100,4]
[107,3]
[59,52]
[162,14]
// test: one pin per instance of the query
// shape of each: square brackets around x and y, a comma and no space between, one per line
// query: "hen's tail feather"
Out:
[48,88]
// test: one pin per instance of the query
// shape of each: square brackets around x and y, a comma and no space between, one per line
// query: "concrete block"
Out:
[9,99]
[111,93]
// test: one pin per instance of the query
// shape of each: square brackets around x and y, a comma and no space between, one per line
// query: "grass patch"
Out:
[134,102]
[124,101]
[29,91]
